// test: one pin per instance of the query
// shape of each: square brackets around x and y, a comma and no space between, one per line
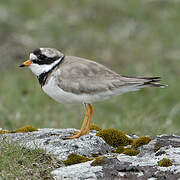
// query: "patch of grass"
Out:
[17,162]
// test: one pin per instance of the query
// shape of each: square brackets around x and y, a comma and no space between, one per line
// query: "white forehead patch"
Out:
[49,52]
[32,56]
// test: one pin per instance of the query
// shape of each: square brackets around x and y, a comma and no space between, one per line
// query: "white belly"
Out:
[59,95]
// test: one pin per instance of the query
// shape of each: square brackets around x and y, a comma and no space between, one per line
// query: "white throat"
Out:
[39,69]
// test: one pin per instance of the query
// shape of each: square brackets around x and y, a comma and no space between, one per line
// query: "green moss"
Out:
[130,152]
[165,162]
[98,161]
[114,137]
[27,128]
[4,131]
[95,155]
[120,149]
[75,159]
[141,141]
[95,127]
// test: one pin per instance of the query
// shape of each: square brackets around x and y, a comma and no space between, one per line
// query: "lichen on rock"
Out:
[114,137]
[75,159]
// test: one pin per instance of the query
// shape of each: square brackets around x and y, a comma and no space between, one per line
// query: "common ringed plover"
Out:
[70,79]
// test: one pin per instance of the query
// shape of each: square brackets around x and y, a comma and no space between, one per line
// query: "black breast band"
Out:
[43,76]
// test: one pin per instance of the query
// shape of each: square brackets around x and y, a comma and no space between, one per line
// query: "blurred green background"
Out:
[131,37]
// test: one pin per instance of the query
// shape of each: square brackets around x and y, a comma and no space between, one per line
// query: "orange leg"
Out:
[84,124]
[90,118]
[83,127]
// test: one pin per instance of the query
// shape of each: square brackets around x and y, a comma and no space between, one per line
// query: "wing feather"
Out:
[80,75]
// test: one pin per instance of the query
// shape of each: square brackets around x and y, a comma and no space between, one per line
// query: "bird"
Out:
[75,80]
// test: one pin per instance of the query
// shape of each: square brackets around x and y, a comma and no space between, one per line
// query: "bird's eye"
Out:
[41,57]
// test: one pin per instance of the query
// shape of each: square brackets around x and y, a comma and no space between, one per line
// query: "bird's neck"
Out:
[44,75]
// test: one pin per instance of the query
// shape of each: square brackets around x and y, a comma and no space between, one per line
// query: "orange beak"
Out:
[26,63]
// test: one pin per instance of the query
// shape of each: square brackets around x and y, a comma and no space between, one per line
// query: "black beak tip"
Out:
[22,65]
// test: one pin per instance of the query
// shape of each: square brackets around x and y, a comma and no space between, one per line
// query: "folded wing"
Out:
[82,76]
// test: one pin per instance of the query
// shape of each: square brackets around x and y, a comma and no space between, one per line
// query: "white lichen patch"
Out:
[77,171]
[150,159]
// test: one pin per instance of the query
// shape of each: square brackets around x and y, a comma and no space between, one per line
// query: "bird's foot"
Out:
[78,134]
[86,131]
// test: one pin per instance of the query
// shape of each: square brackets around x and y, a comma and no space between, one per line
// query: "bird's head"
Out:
[42,60]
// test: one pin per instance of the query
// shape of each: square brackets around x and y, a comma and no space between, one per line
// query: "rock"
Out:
[52,140]
[78,171]
[114,166]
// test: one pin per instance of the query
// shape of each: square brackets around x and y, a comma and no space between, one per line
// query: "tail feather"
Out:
[148,81]
[152,82]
